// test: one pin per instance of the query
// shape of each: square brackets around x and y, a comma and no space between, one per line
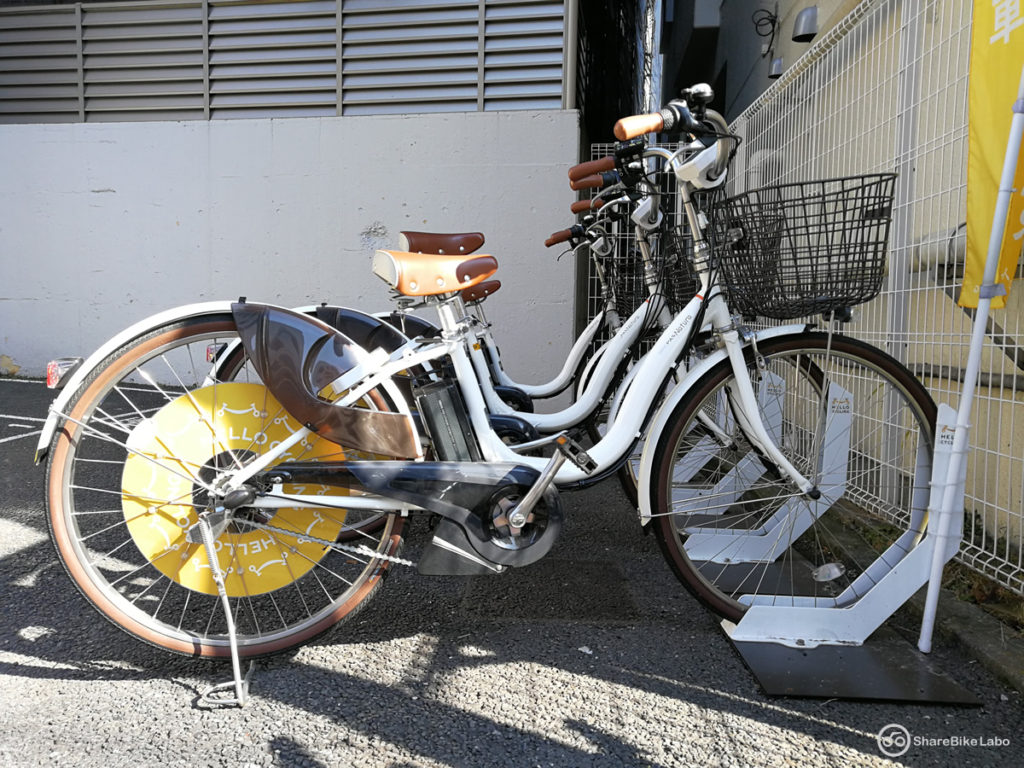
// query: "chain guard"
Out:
[468,494]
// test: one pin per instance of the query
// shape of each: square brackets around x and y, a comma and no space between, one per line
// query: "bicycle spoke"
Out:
[101,436]
[140,455]
[737,537]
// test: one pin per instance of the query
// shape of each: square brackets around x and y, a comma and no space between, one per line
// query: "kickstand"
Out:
[217,694]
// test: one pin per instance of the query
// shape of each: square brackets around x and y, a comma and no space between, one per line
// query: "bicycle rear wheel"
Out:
[848,416]
[144,439]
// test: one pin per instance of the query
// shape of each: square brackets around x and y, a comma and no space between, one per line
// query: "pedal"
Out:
[575,453]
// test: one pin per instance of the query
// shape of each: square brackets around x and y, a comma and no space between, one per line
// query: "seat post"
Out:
[450,310]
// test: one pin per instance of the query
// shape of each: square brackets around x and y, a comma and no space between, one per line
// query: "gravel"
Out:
[593,657]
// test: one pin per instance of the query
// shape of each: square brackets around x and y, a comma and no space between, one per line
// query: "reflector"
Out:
[58,370]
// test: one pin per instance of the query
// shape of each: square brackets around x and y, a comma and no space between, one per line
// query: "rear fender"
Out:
[367,331]
[298,356]
[92,362]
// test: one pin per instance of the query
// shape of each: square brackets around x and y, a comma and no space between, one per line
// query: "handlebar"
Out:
[595,181]
[674,118]
[577,172]
[637,125]
[702,123]
[561,236]
[582,206]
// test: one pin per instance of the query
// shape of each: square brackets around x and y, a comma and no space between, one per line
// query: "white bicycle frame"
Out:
[601,369]
[622,434]
[644,390]
[490,369]
[608,317]
[597,383]
[564,377]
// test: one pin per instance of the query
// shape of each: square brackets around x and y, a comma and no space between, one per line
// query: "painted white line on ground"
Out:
[19,417]
[23,381]
[19,437]
[20,426]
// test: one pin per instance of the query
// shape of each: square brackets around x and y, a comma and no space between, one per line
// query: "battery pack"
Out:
[444,415]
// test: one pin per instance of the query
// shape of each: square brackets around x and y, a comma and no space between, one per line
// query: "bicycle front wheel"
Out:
[143,444]
[849,417]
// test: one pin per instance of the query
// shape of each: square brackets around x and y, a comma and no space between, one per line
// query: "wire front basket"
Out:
[679,279]
[672,255]
[794,250]
[673,263]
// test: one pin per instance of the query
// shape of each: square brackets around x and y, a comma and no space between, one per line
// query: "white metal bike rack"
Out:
[849,618]
[899,573]
[760,544]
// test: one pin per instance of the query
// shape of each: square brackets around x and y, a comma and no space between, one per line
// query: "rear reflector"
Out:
[57,371]
[213,351]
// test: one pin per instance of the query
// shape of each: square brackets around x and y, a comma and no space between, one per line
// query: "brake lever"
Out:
[572,249]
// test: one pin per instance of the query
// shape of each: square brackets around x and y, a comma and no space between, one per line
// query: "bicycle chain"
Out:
[360,549]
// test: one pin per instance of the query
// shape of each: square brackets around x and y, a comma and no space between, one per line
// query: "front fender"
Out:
[673,398]
[92,362]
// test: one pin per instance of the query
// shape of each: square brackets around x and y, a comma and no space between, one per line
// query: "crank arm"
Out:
[567,448]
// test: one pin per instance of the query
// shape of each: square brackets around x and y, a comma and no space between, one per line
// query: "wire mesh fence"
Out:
[886,90]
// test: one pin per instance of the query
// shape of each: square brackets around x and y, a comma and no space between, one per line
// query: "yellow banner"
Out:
[997,54]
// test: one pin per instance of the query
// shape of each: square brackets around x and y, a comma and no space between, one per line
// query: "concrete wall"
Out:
[104,224]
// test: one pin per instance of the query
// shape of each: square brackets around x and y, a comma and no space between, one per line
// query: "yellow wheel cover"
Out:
[167,453]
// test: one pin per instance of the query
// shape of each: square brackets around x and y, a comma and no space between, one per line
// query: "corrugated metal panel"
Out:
[143,61]
[522,66]
[39,67]
[273,59]
[190,59]
[409,57]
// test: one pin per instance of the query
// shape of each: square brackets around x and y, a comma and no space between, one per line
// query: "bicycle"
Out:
[230,497]
[658,272]
[592,235]
[509,403]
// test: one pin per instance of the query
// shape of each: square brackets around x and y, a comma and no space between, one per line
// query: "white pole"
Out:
[952,495]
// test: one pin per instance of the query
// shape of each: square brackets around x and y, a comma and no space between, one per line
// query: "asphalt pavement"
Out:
[593,656]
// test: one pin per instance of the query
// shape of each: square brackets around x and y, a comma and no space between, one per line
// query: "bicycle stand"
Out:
[218,695]
[811,646]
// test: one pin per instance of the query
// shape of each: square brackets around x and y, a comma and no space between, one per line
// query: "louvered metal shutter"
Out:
[143,61]
[399,57]
[522,56]
[40,67]
[190,59]
[273,59]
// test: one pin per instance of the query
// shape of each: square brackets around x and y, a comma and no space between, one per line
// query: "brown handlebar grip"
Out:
[593,166]
[558,237]
[583,206]
[638,125]
[588,182]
